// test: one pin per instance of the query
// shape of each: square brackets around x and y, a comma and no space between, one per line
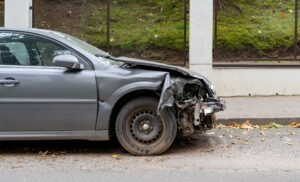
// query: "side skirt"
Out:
[102,135]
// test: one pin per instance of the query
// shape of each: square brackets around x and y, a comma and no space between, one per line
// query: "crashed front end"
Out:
[194,102]
[189,95]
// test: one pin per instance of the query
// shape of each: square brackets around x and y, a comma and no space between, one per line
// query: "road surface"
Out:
[224,154]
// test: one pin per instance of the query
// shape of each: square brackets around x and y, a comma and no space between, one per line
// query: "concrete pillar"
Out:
[201,37]
[201,32]
[18,13]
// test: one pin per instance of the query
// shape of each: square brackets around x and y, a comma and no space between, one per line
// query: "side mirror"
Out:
[68,61]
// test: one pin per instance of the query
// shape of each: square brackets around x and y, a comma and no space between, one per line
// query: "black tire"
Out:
[141,131]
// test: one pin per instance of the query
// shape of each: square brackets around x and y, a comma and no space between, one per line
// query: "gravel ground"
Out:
[218,155]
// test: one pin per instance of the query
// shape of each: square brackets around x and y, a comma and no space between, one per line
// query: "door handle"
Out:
[9,82]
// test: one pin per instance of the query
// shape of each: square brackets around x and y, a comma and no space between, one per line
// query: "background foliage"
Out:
[153,29]
[261,28]
[149,29]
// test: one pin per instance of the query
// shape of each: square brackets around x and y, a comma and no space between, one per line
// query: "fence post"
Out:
[296,30]
[215,25]
[185,34]
[107,25]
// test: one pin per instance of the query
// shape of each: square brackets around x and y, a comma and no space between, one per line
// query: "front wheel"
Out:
[141,131]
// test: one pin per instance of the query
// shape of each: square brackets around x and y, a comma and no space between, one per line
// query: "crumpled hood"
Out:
[181,70]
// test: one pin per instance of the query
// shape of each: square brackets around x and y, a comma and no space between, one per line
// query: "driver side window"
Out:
[47,51]
[28,50]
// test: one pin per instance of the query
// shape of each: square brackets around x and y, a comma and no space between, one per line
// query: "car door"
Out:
[37,96]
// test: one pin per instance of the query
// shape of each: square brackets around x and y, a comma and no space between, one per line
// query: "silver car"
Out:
[56,87]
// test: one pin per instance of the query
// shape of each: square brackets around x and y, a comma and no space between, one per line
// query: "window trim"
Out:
[83,57]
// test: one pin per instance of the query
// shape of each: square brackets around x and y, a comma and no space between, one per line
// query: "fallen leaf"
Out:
[295,125]
[221,126]
[282,14]
[276,125]
[210,133]
[271,125]
[262,133]
[255,126]
[287,139]
[246,142]
[233,125]
[16,167]
[247,125]
[289,143]
[116,156]
[292,133]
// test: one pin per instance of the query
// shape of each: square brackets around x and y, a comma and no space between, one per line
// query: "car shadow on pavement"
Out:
[199,143]
[59,147]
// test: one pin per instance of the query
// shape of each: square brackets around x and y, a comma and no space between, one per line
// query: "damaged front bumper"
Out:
[194,103]
[198,115]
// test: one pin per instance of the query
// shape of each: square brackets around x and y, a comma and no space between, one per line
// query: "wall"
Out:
[18,13]
[233,81]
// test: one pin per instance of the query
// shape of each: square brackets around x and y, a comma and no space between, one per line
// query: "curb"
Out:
[258,121]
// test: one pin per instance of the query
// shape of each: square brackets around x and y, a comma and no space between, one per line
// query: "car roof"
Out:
[48,33]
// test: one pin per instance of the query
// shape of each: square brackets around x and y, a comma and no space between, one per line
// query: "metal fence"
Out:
[220,53]
[107,23]
[1,13]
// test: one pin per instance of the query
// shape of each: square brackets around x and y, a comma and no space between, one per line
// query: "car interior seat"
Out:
[7,58]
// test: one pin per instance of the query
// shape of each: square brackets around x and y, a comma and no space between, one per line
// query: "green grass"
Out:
[256,25]
[253,26]
[137,25]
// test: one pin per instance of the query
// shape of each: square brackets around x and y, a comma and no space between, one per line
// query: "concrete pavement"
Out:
[261,110]
[222,154]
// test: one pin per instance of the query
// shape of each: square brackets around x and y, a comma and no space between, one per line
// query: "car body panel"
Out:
[47,99]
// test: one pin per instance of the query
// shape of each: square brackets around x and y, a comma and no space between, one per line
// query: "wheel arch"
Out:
[109,109]
[124,100]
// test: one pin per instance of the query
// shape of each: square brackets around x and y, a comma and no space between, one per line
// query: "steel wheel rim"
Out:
[145,126]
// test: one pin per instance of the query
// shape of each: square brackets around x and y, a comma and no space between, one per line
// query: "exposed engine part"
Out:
[209,122]
[192,103]
[185,126]
[197,114]
[208,111]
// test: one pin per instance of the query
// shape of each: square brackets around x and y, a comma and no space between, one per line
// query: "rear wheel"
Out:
[141,131]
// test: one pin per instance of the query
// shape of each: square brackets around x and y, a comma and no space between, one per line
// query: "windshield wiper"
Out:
[108,56]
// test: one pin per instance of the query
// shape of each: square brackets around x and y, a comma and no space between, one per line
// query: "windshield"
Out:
[82,44]
[106,57]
